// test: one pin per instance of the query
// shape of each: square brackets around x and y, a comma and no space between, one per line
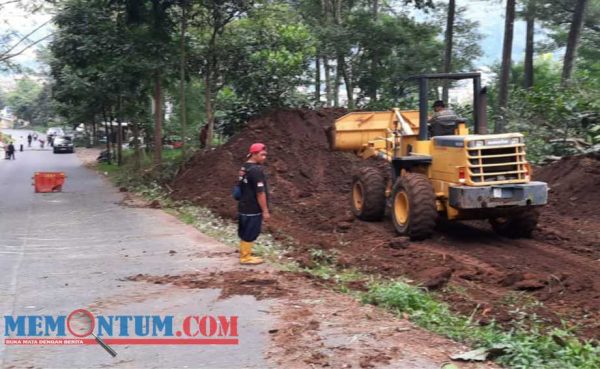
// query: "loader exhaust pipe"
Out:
[482,126]
[423,109]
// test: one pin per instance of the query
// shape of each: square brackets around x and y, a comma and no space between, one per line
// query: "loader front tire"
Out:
[519,225]
[414,210]
[368,194]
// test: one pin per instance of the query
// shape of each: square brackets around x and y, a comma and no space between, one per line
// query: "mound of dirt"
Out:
[305,178]
[574,184]
[310,196]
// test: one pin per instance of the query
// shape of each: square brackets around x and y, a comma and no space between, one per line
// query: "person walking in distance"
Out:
[29,138]
[253,206]
[11,151]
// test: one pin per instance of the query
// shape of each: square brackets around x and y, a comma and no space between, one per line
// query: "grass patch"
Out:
[527,345]
[146,174]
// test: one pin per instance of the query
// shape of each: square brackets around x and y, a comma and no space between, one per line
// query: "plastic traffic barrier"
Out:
[48,181]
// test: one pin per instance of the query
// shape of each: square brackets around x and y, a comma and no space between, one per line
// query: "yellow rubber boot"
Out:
[246,254]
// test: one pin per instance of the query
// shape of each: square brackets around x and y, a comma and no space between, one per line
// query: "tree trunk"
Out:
[573,41]
[112,134]
[158,116]
[137,157]
[182,63]
[341,71]
[119,134]
[347,81]
[211,71]
[317,79]
[529,45]
[94,133]
[448,43]
[107,134]
[501,121]
[336,86]
[328,90]
[208,107]
[374,57]
[375,8]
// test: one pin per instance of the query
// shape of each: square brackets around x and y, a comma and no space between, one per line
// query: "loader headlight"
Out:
[477,143]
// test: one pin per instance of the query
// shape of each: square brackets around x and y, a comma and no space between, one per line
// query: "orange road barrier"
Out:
[48,181]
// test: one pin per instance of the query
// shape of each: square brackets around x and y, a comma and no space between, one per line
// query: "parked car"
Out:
[63,144]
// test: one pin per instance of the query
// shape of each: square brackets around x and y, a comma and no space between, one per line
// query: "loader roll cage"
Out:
[479,100]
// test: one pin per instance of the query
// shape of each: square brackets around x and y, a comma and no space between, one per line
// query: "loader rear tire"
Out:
[368,194]
[519,225]
[414,210]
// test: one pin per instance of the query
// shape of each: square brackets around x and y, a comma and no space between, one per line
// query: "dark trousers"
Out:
[11,155]
[249,227]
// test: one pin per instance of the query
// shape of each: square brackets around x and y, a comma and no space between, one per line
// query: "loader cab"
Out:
[450,125]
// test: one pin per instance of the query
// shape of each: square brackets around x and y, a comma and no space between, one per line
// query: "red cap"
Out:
[256,148]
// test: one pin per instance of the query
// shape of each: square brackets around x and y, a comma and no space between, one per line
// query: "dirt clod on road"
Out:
[474,269]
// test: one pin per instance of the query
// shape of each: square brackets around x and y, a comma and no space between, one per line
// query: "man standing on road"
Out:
[253,207]
[29,138]
[11,151]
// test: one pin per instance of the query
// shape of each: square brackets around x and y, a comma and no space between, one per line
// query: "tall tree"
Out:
[529,43]
[184,5]
[217,15]
[374,54]
[448,40]
[152,23]
[317,77]
[500,125]
[573,41]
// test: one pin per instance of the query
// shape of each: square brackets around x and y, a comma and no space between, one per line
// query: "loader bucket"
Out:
[354,130]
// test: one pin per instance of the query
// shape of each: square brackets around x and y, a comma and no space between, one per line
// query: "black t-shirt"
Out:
[252,181]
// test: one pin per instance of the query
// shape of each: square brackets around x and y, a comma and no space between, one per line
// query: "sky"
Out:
[23,21]
[489,14]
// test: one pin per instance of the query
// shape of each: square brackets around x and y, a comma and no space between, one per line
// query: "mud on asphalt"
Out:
[316,327]
[474,270]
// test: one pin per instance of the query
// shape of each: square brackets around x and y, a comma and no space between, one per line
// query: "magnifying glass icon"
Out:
[81,323]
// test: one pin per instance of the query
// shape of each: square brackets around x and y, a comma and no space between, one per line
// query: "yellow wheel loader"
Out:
[440,170]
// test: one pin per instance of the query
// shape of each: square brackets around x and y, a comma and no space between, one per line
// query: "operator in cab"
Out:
[443,120]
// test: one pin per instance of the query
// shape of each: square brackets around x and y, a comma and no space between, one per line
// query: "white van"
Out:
[55,131]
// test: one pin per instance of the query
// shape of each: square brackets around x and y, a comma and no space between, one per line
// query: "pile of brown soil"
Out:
[571,219]
[574,184]
[310,186]
[306,179]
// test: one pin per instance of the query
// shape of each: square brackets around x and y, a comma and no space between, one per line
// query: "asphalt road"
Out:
[69,250]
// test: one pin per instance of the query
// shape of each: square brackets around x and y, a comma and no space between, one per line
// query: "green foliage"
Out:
[527,345]
[130,176]
[466,49]
[257,62]
[390,40]
[194,92]
[270,52]
[548,111]
[23,98]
